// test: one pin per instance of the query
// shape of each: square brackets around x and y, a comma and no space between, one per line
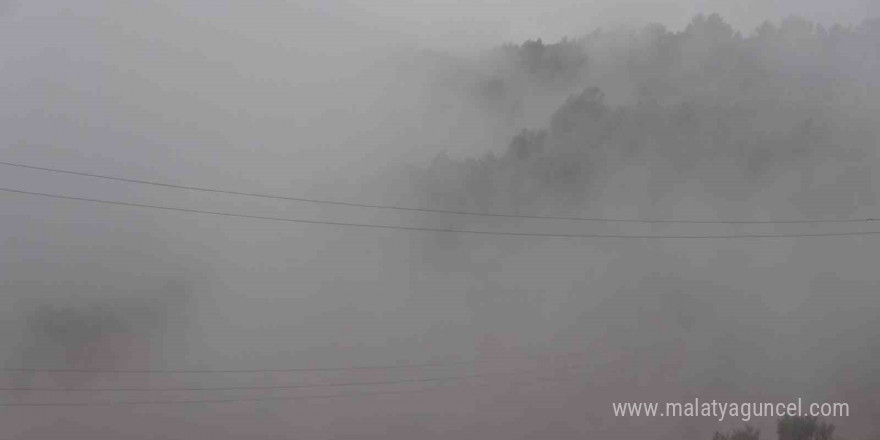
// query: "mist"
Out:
[753,112]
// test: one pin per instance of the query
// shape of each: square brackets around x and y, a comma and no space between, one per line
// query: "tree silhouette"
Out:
[747,433]
[803,428]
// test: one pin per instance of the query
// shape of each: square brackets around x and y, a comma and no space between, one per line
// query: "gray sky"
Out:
[312,98]
[336,24]
[464,22]
[296,68]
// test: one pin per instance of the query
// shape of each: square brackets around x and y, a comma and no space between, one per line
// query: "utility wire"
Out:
[423,229]
[278,387]
[404,208]
[230,400]
[245,399]
[279,370]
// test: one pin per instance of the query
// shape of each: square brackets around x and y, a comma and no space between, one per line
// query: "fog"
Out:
[761,114]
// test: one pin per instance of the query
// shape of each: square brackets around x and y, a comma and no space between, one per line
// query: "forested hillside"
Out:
[733,112]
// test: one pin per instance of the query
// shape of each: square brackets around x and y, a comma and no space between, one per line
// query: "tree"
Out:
[747,433]
[803,428]
[527,143]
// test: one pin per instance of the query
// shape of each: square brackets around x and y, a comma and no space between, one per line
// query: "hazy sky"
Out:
[282,63]
[338,24]
[282,97]
[463,22]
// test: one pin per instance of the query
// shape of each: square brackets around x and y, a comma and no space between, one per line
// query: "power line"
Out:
[423,229]
[277,370]
[242,399]
[276,387]
[411,209]
[230,400]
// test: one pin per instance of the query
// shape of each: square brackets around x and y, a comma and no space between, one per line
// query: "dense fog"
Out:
[657,117]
